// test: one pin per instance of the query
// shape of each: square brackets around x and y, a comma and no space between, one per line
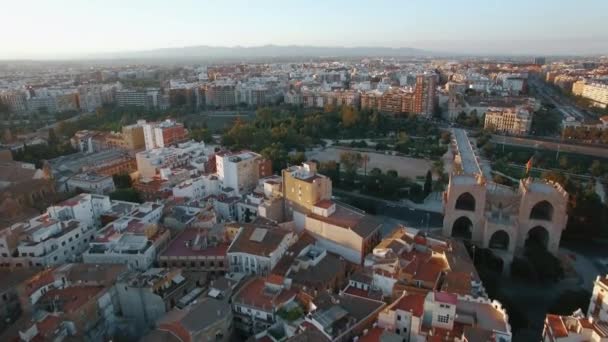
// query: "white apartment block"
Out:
[151,162]
[134,239]
[44,241]
[86,208]
[191,188]
[239,171]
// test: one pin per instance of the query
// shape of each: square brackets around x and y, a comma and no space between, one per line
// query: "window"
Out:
[443,319]
[397,331]
[398,317]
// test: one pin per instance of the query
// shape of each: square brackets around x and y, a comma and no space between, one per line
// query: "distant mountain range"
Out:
[273,51]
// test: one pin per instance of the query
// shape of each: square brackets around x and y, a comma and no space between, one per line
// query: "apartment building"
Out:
[220,94]
[512,120]
[425,97]
[133,136]
[257,249]
[596,92]
[163,134]
[241,170]
[303,188]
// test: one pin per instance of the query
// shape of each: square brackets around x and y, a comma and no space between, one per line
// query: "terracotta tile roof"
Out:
[256,294]
[324,204]
[457,282]
[178,247]
[373,335]
[413,303]
[445,297]
[48,325]
[253,240]
[73,297]
[557,326]
[359,222]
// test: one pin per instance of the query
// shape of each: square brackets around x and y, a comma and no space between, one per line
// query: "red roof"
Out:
[356,292]
[72,298]
[413,303]
[325,204]
[373,335]
[178,247]
[48,325]
[255,294]
[445,297]
[557,326]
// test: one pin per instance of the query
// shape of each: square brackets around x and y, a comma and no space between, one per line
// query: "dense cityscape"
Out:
[287,193]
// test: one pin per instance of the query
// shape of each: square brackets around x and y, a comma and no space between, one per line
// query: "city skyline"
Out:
[71,29]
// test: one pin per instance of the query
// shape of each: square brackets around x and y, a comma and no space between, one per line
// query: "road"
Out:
[564,106]
[549,145]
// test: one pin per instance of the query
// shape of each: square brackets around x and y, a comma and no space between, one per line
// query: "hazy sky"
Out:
[69,28]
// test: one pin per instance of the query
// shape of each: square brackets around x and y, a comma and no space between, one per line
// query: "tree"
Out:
[53,140]
[352,162]
[122,181]
[350,116]
[569,301]
[563,162]
[428,183]
[128,195]
[277,154]
[596,168]
[364,161]
[201,134]
[247,215]
[297,158]
[392,173]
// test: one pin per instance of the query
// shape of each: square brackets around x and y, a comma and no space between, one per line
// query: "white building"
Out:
[86,208]
[258,249]
[191,188]
[239,171]
[91,182]
[596,92]
[134,239]
[151,162]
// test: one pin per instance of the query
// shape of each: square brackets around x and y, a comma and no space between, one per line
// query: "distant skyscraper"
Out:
[539,60]
[425,94]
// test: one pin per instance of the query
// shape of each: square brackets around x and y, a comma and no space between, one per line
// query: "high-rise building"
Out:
[149,98]
[220,94]
[15,100]
[133,135]
[425,96]
[539,60]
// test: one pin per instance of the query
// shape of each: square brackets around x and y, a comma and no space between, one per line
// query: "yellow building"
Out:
[133,136]
[578,87]
[303,187]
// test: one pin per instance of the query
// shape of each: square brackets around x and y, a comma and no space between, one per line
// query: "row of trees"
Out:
[587,134]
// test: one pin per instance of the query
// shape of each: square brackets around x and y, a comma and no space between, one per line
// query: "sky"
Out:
[75,28]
